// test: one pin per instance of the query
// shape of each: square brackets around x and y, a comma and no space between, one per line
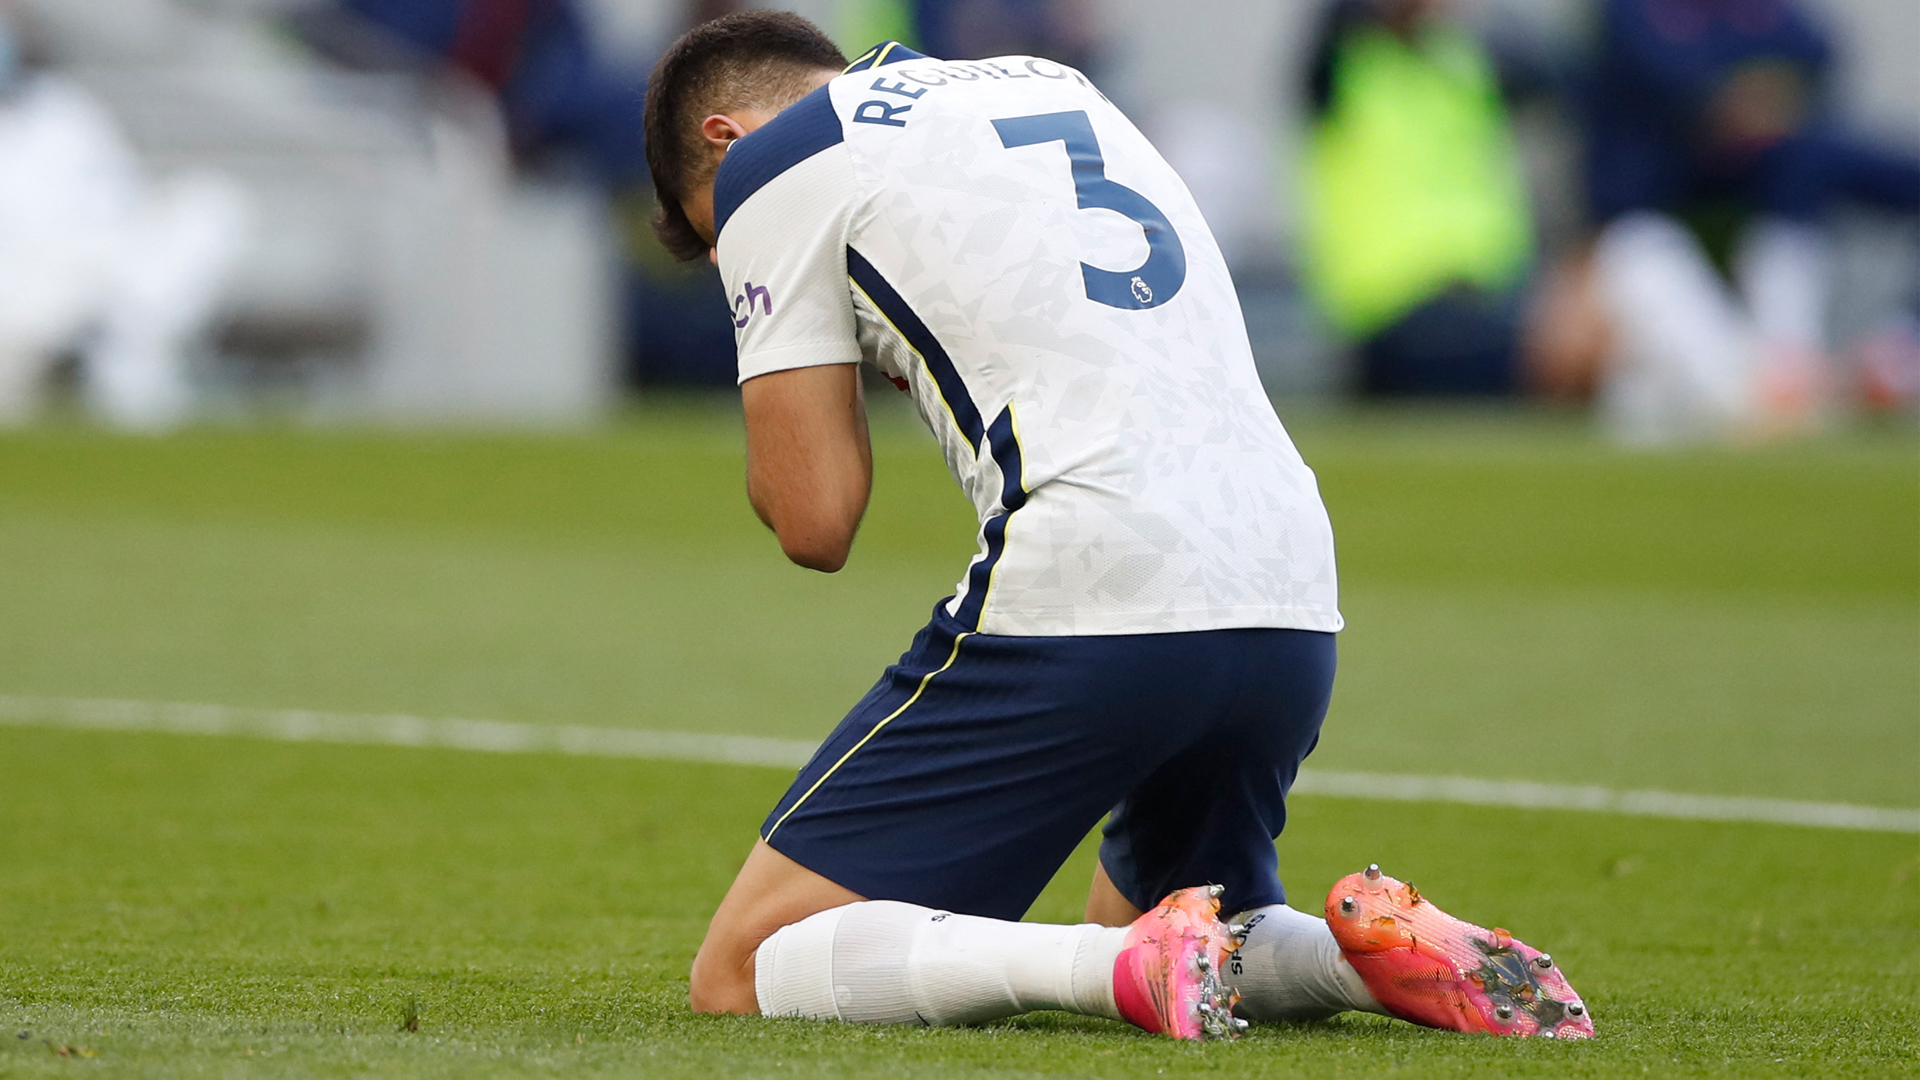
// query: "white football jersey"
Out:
[996,236]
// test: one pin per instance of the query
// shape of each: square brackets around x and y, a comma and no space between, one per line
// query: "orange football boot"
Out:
[1167,976]
[1428,967]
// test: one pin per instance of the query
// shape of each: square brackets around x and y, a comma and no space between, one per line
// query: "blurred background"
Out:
[448,445]
[1698,215]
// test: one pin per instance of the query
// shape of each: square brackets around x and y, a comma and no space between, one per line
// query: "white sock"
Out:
[1290,968]
[1782,269]
[1685,351]
[884,962]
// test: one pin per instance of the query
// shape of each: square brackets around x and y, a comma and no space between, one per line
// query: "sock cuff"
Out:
[871,974]
[793,968]
[846,963]
[1093,959]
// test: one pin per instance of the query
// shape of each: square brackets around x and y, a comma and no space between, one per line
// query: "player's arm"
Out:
[809,462]
[782,255]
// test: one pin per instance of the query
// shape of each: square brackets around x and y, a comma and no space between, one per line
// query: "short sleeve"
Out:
[783,226]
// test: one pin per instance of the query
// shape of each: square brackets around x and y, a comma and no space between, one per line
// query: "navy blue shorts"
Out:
[967,775]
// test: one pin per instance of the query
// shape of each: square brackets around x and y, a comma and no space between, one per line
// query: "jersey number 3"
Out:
[1153,282]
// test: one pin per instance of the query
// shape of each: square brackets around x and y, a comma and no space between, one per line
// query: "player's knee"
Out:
[722,981]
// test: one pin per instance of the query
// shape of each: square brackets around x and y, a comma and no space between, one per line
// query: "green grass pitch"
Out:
[1523,604]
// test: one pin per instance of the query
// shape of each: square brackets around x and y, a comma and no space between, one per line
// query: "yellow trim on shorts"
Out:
[924,680]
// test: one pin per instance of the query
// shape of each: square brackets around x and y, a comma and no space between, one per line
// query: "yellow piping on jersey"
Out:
[937,392]
[882,58]
[918,690]
[864,58]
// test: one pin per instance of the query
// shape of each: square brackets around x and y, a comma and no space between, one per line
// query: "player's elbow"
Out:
[810,537]
[817,549]
[816,529]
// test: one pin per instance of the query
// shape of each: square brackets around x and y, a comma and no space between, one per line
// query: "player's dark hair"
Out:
[754,59]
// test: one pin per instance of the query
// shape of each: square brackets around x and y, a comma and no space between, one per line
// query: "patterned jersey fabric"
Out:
[998,237]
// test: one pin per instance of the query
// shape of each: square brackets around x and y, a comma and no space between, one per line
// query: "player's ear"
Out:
[720,130]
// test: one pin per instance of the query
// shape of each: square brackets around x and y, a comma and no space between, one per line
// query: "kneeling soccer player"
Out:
[1148,629]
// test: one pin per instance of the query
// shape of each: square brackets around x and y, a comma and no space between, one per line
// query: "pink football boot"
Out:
[1167,977]
[1426,966]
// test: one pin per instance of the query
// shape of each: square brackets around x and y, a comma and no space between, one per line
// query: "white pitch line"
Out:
[292,725]
[1662,804]
[299,725]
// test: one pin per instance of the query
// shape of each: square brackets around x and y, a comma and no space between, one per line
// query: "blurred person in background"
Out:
[563,108]
[568,112]
[97,258]
[1417,233]
[1059,30]
[1713,154]
[968,29]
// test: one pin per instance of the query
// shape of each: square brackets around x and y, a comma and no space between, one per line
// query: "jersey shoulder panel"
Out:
[887,52]
[784,261]
[802,130]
